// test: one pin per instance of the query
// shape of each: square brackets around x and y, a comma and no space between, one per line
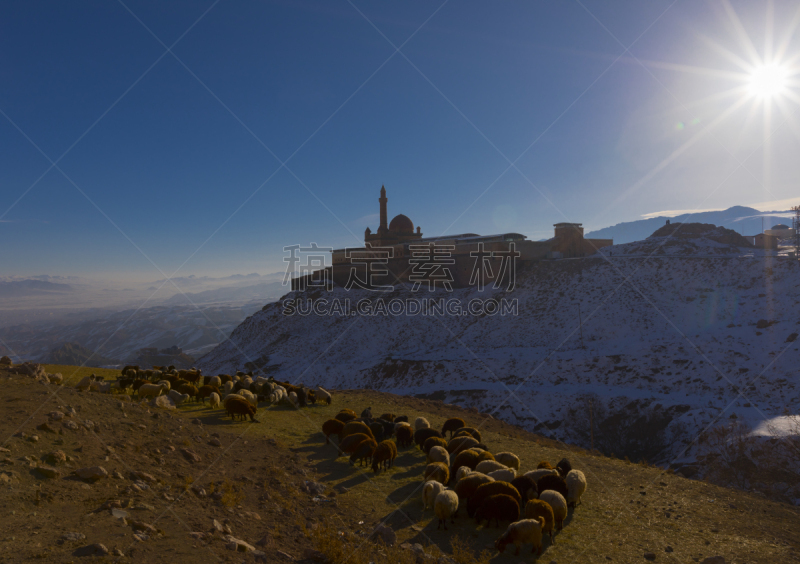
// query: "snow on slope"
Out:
[684,331]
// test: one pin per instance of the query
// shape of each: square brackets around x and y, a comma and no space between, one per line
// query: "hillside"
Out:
[250,482]
[743,220]
[74,354]
[120,334]
[673,339]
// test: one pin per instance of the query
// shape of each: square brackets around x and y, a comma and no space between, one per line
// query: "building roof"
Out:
[401,224]
[780,226]
[566,224]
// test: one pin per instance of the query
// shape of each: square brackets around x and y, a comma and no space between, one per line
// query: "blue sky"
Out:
[174,161]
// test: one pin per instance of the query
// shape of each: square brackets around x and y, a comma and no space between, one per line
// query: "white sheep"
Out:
[227,388]
[249,396]
[421,423]
[509,459]
[438,454]
[486,466]
[520,532]
[462,472]
[214,401]
[430,490]
[576,486]
[215,381]
[150,390]
[558,503]
[503,475]
[323,396]
[177,397]
[102,387]
[165,383]
[445,507]
[400,424]
[290,399]
[539,473]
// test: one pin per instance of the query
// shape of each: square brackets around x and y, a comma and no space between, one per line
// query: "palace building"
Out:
[400,254]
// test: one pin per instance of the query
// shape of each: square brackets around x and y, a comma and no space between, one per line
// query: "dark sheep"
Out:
[377,430]
[237,405]
[401,419]
[405,436]
[553,482]
[460,444]
[545,464]
[364,451]
[384,456]
[206,380]
[498,507]
[302,397]
[526,487]
[125,383]
[312,397]
[467,431]
[388,427]
[331,427]
[205,391]
[486,491]
[345,417]
[387,417]
[423,435]
[466,458]
[354,427]
[485,455]
[564,467]
[367,413]
[432,442]
[452,425]
[224,378]
[190,389]
[349,445]
[138,384]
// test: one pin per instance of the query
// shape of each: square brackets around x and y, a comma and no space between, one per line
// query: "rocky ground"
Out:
[88,476]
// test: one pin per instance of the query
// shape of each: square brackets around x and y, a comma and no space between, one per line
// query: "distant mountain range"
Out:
[73,354]
[231,294]
[26,288]
[743,220]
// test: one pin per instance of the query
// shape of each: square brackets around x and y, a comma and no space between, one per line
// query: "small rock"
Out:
[46,428]
[215,442]
[71,425]
[386,534]
[117,475]
[190,455]
[284,555]
[91,473]
[143,527]
[72,537]
[196,422]
[54,458]
[238,545]
[119,513]
[56,415]
[163,402]
[714,560]
[668,549]
[649,556]
[33,438]
[118,552]
[311,554]
[144,477]
[198,536]
[48,472]
[91,550]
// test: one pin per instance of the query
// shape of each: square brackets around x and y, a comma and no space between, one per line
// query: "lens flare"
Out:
[768,81]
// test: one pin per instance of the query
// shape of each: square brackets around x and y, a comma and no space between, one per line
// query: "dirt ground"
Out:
[187,485]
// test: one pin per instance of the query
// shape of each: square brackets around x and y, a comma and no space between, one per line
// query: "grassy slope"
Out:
[623,515]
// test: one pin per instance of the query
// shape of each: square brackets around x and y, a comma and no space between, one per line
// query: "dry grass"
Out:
[628,510]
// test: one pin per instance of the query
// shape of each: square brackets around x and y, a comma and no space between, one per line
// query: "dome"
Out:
[401,224]
[780,226]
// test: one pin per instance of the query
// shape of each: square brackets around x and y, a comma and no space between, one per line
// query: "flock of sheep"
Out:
[490,486]
[239,394]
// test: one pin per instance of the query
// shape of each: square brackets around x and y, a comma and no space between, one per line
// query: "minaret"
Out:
[384,226]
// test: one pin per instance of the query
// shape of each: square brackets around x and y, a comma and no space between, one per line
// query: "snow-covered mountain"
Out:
[668,343]
[743,220]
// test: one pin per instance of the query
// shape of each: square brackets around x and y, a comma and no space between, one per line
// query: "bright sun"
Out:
[768,81]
